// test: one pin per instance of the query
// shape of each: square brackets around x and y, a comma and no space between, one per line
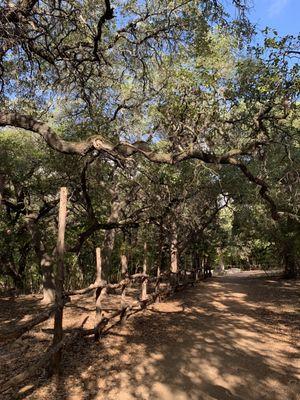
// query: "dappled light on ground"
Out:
[229,338]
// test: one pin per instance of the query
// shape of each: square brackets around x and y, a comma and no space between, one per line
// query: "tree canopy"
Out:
[160,117]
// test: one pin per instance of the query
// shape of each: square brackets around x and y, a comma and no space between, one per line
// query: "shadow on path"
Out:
[229,338]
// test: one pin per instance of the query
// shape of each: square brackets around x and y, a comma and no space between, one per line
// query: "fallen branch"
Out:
[87,289]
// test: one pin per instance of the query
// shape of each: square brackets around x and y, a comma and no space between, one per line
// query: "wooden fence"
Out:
[162,286]
[149,289]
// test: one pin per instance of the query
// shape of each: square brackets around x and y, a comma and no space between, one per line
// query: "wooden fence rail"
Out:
[151,289]
[103,316]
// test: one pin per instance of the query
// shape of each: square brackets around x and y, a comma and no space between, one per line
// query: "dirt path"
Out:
[230,338]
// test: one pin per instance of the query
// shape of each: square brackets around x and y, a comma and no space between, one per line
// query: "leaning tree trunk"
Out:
[59,279]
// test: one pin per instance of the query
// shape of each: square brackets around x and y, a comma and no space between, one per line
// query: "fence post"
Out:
[124,270]
[123,315]
[157,285]
[144,279]
[59,278]
[100,294]
[98,265]
[174,256]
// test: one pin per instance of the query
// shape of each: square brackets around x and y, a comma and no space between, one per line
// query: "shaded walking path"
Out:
[229,338]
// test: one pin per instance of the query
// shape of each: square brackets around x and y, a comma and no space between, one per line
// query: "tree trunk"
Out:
[24,251]
[59,278]
[174,249]
[290,265]
[124,265]
[17,280]
[174,256]
[160,248]
[46,263]
[45,260]
[290,244]
[220,267]
[109,239]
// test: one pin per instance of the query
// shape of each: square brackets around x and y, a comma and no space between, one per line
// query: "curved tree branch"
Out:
[125,150]
[121,150]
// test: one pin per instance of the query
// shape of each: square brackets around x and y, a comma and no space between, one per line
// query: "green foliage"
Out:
[172,76]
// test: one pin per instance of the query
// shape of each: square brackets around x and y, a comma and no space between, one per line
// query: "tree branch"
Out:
[125,150]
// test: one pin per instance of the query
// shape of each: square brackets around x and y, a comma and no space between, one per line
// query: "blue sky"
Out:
[282,15]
